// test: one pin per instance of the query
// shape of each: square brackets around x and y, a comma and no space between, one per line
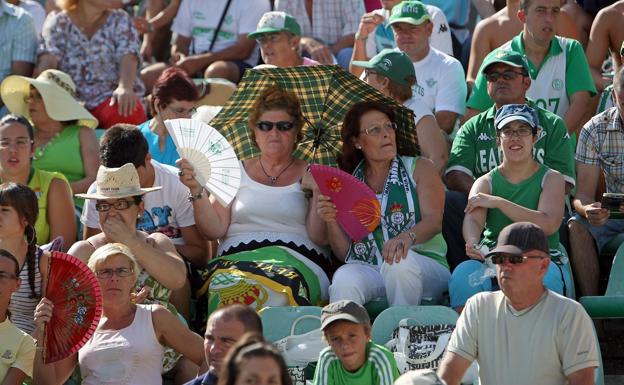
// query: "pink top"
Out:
[129,356]
[309,62]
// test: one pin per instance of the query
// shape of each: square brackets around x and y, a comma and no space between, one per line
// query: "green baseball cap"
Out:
[396,65]
[511,58]
[272,22]
[411,12]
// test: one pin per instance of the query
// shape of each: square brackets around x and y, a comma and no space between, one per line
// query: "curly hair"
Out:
[251,346]
[350,156]
[23,200]
[274,98]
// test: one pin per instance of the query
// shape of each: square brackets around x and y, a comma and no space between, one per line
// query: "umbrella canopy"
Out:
[325,93]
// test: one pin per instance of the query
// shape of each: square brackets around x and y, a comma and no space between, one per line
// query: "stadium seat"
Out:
[388,320]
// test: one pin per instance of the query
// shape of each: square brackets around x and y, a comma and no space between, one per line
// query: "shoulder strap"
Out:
[216,32]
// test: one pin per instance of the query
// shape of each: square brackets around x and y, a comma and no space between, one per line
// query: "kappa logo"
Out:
[483,136]
[443,28]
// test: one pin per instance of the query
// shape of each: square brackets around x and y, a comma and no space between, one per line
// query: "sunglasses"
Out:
[118,205]
[266,126]
[506,75]
[514,259]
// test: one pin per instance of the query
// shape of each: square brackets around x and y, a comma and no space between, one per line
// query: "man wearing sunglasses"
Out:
[475,152]
[523,334]
[562,82]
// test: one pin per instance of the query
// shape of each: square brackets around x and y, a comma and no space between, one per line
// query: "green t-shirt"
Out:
[563,72]
[475,152]
[526,194]
[380,368]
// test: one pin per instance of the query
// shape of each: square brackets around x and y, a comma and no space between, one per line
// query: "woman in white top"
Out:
[270,210]
[128,345]
[392,73]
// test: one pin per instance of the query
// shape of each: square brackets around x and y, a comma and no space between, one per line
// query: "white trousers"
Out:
[405,283]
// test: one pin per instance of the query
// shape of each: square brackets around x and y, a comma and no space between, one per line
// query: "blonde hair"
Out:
[103,253]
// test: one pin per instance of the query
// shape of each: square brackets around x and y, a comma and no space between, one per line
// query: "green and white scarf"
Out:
[400,211]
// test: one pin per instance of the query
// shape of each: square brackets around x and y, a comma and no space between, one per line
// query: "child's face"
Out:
[260,371]
[348,341]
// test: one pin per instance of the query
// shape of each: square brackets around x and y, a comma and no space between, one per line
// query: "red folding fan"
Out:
[75,292]
[359,211]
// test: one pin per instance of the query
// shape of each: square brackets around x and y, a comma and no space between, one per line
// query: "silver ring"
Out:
[181,173]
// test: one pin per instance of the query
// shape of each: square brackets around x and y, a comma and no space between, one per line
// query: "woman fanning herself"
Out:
[268,220]
[403,259]
[519,190]
[16,149]
[128,345]
[18,213]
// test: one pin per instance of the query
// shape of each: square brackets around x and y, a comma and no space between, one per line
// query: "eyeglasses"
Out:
[368,73]
[118,205]
[514,259]
[121,272]
[4,276]
[268,126]
[269,37]
[183,111]
[20,143]
[493,76]
[519,132]
[376,129]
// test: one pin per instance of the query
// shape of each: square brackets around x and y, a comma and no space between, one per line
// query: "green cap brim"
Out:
[509,63]
[409,20]
[263,31]
[363,64]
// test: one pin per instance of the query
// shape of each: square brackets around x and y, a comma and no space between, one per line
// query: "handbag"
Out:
[301,351]
[419,346]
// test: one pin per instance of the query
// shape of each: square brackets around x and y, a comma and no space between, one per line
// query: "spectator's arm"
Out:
[165,16]
[432,142]
[181,46]
[459,181]
[474,220]
[575,117]
[194,247]
[14,376]
[431,190]
[89,151]
[22,68]
[317,50]
[239,51]
[45,61]
[173,333]
[315,226]
[589,175]
[343,42]
[598,48]
[452,368]
[484,8]
[369,22]
[446,120]
[582,377]
[124,95]
[479,48]
[60,212]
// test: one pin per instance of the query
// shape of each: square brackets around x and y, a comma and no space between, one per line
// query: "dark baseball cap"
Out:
[394,64]
[519,238]
[511,58]
[344,311]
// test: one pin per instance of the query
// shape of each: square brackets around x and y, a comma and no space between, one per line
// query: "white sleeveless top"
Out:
[548,90]
[262,212]
[129,356]
[22,307]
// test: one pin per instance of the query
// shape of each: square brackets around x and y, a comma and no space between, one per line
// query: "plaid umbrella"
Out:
[325,93]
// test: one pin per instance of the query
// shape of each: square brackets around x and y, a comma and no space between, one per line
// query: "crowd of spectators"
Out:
[518,108]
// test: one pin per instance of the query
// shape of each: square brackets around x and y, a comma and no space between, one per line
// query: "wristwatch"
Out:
[193,197]
[360,37]
[412,236]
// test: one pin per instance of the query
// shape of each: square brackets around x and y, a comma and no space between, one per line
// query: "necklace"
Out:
[273,179]
[42,149]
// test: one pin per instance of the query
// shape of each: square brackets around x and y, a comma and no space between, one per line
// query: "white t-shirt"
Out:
[419,109]
[198,20]
[440,83]
[166,210]
[35,10]
[539,345]
[440,38]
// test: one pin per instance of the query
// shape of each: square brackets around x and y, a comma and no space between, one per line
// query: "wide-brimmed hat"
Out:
[272,22]
[121,182]
[58,92]
[395,65]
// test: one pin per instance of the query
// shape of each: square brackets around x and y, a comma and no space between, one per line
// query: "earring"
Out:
[358,146]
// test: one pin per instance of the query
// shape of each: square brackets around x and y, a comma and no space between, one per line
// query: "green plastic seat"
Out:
[611,305]
[388,320]
[277,320]
[376,306]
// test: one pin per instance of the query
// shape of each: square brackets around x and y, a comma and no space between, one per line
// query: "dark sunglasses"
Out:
[506,75]
[268,126]
[514,259]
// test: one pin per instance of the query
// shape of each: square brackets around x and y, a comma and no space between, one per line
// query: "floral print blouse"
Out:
[92,63]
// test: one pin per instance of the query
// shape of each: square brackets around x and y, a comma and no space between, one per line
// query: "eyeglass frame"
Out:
[516,132]
[388,125]
[282,125]
[129,203]
[508,257]
[104,273]
[504,74]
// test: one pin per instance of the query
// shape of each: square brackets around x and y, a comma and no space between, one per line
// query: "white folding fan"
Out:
[216,165]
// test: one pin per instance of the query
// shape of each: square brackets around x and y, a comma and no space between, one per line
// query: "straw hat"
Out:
[57,91]
[114,183]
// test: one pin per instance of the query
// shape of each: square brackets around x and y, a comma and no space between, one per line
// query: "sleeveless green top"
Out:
[40,183]
[526,193]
